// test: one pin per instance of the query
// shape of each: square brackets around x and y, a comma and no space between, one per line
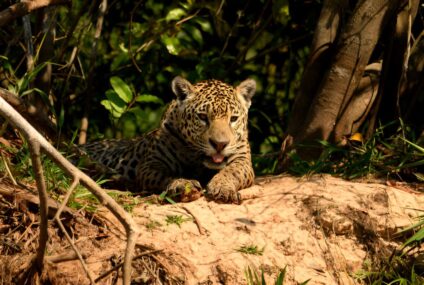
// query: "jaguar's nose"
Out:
[218,145]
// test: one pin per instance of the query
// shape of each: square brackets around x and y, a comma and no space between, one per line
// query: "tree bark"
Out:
[353,52]
[324,37]
[25,7]
[395,64]
[359,106]
[333,82]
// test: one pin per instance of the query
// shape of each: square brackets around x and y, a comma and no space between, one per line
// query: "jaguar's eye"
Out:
[233,119]
[203,117]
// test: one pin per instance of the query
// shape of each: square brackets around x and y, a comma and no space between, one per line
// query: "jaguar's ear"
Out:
[246,90]
[182,88]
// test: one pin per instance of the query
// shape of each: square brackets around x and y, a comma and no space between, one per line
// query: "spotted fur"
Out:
[202,140]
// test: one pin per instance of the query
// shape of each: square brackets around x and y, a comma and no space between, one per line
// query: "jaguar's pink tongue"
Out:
[217,158]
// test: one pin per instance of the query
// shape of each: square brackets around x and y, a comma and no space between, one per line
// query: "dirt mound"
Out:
[322,228]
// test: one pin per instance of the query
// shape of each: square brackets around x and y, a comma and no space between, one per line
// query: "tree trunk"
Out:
[324,37]
[333,87]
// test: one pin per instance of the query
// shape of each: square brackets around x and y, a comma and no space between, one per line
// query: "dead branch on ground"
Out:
[39,144]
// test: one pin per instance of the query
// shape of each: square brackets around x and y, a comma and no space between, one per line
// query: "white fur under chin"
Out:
[215,166]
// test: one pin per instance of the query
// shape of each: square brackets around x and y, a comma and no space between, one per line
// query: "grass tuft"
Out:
[251,249]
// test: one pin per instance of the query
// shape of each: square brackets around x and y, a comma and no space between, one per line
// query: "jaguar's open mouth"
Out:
[215,161]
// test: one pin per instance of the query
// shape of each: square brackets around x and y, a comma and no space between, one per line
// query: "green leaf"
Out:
[115,105]
[172,44]
[122,89]
[418,237]
[419,176]
[148,98]
[419,148]
[170,201]
[175,14]
[205,25]
[195,34]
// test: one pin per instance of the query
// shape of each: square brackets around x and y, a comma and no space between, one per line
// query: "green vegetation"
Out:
[254,278]
[405,266]
[153,225]
[394,156]
[176,220]
[251,249]
[125,80]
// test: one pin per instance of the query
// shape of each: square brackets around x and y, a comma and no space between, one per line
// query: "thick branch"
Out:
[34,147]
[39,119]
[25,7]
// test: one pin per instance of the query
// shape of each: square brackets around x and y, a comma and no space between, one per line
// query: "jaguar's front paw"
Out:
[185,189]
[222,191]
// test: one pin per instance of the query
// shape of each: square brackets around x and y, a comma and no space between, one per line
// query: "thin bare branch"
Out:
[65,200]
[77,252]
[130,37]
[106,273]
[68,256]
[34,147]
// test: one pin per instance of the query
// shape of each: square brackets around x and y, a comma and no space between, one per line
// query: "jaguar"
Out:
[201,144]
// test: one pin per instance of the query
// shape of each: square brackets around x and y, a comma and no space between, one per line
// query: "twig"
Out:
[151,272]
[75,20]
[24,233]
[34,147]
[68,256]
[77,252]
[187,18]
[74,184]
[9,173]
[218,11]
[106,273]
[196,220]
[130,37]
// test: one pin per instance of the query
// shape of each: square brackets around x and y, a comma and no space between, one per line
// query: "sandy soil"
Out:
[320,228]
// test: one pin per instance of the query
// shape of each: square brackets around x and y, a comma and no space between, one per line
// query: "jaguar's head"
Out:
[212,117]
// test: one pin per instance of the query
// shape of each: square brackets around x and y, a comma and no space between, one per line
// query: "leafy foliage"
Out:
[125,73]
[176,220]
